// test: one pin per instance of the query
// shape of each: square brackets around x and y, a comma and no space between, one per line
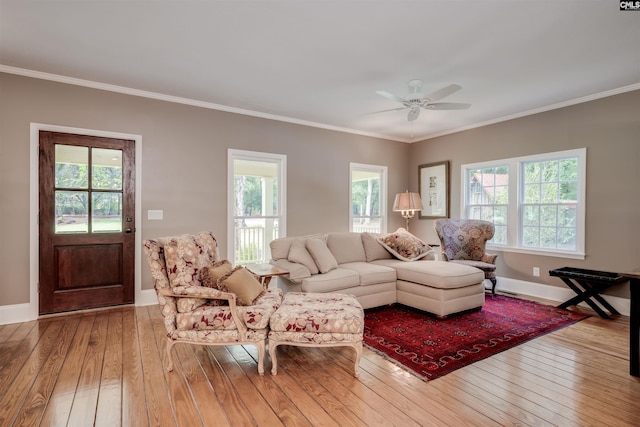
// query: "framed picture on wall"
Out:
[433,181]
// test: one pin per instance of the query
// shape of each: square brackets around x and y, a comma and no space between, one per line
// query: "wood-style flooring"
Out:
[105,368]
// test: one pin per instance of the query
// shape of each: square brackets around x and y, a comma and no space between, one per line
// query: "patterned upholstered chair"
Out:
[463,241]
[196,314]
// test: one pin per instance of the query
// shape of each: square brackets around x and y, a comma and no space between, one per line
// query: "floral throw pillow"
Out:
[404,245]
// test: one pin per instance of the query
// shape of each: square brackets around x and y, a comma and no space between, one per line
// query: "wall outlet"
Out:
[536,271]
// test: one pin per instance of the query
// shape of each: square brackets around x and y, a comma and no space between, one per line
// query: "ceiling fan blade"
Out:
[390,96]
[447,106]
[386,111]
[441,93]
[413,114]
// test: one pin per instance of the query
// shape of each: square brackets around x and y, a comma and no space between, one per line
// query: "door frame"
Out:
[34,262]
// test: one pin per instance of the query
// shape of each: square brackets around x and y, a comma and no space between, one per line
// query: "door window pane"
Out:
[71,166]
[106,212]
[72,211]
[106,169]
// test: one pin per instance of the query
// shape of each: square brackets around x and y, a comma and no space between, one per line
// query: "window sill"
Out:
[540,252]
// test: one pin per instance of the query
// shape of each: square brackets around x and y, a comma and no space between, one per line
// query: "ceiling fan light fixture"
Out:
[417,100]
[414,112]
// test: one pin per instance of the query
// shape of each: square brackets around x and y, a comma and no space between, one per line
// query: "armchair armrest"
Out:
[208,293]
[196,292]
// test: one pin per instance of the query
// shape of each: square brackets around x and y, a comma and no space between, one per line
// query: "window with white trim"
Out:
[256,204]
[367,198]
[537,203]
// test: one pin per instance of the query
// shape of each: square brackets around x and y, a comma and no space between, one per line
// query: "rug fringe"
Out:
[395,362]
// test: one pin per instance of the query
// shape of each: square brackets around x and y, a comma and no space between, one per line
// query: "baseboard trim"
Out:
[147,297]
[22,312]
[554,293]
[18,313]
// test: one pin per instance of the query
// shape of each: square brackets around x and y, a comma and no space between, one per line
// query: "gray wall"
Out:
[610,130]
[184,164]
[185,153]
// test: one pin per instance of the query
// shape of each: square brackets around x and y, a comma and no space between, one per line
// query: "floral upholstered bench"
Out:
[317,320]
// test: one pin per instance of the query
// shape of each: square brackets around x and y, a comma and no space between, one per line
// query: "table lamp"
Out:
[407,204]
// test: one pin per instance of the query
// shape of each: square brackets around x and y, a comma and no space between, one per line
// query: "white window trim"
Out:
[513,217]
[281,160]
[382,170]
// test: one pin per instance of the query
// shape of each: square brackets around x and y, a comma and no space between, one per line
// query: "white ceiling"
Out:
[321,62]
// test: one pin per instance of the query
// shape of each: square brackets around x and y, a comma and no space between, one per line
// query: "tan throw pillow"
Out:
[321,254]
[209,275]
[243,283]
[404,245]
[299,253]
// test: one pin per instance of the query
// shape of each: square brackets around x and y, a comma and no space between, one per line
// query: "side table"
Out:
[265,272]
[587,284]
[634,322]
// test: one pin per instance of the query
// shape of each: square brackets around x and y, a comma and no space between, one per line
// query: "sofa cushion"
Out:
[404,245]
[437,274]
[280,247]
[346,247]
[371,274]
[373,250]
[321,255]
[334,280]
[299,253]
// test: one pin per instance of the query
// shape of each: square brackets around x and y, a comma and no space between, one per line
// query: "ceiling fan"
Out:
[417,100]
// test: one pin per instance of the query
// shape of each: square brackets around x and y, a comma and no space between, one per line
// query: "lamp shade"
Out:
[407,202]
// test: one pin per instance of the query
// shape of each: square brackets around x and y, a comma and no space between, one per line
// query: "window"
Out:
[88,189]
[537,203]
[488,198]
[367,198]
[256,201]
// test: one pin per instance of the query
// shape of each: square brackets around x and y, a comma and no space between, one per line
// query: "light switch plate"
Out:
[154,214]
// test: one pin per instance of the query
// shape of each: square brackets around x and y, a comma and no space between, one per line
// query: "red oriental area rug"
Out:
[431,348]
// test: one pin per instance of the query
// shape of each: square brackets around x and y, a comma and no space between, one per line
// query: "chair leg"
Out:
[260,345]
[170,344]
[493,288]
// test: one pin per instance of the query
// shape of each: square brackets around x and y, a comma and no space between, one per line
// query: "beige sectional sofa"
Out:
[358,264]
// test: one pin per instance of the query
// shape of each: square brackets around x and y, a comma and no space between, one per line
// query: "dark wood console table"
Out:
[634,323]
[588,284]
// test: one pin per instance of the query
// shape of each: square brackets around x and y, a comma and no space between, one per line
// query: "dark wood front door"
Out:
[86,221]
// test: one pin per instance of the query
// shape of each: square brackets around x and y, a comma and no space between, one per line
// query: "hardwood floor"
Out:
[105,368]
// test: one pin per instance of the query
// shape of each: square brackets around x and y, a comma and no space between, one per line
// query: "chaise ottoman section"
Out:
[317,320]
[439,287]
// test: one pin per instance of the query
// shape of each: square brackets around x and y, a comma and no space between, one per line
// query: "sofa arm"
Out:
[297,272]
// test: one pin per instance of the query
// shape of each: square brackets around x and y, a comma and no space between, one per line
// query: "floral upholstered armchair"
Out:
[463,241]
[201,308]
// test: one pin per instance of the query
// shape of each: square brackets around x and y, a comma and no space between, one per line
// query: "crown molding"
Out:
[212,106]
[186,101]
[568,103]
